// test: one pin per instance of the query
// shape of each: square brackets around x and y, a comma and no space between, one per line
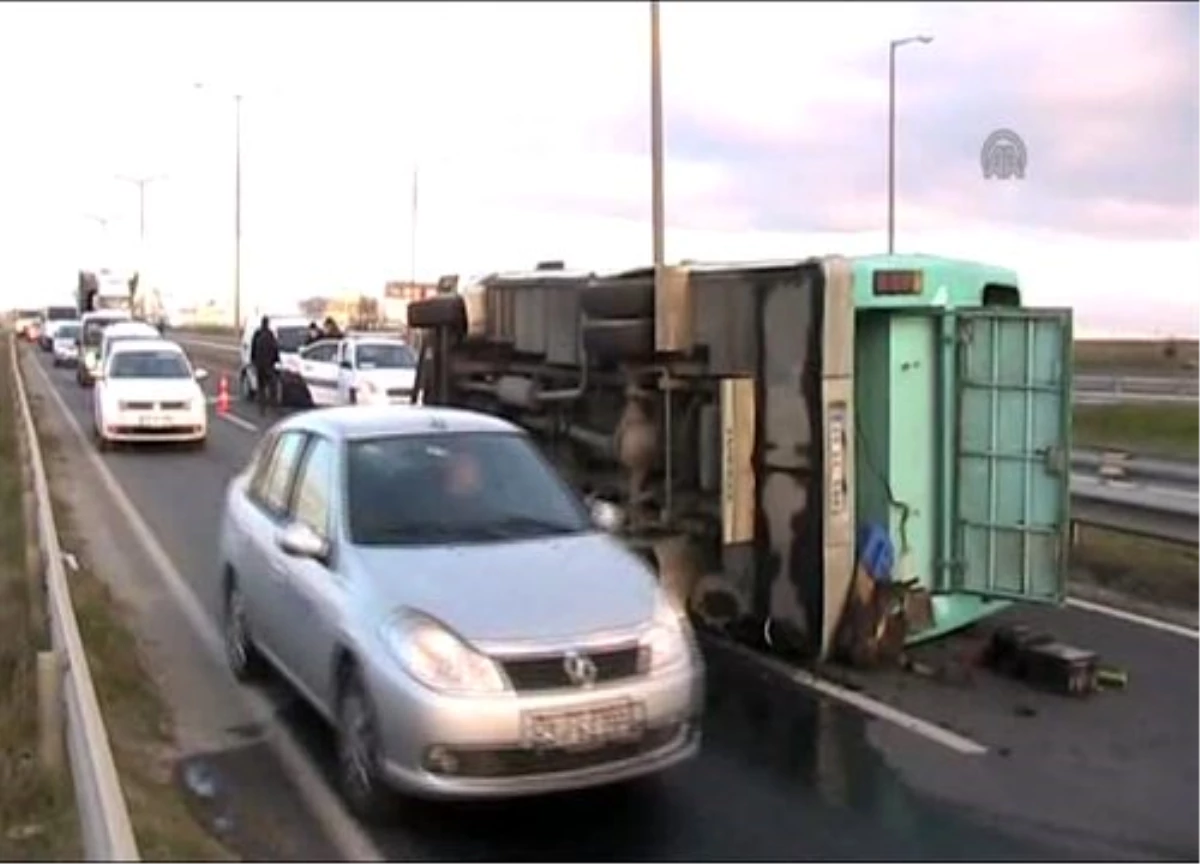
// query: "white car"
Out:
[91,334]
[291,332]
[356,370]
[63,345]
[121,331]
[147,391]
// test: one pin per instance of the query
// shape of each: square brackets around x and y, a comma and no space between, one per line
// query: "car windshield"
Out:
[291,338]
[66,331]
[384,355]
[148,364]
[475,487]
[60,313]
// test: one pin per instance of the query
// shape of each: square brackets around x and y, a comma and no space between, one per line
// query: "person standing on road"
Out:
[264,355]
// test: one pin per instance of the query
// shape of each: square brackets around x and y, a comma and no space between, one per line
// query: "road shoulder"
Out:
[187,737]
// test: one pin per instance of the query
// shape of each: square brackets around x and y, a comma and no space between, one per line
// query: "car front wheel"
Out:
[358,753]
[240,652]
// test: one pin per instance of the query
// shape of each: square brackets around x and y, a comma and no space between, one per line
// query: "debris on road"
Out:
[1038,658]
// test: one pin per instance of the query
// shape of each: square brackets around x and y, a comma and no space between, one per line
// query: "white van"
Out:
[91,334]
[291,332]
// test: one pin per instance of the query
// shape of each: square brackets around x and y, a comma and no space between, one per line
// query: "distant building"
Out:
[397,296]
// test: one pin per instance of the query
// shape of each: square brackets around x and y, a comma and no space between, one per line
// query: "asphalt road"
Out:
[785,774]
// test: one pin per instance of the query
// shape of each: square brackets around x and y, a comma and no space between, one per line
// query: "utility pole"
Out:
[891,168]
[656,144]
[237,213]
[413,228]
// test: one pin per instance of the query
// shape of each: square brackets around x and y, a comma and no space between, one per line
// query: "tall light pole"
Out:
[141,183]
[237,207]
[891,204]
[413,228]
[656,144]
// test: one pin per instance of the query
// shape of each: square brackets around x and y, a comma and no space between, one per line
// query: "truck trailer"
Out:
[742,425]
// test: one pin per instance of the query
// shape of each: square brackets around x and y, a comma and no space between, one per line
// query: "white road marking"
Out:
[346,834]
[1134,618]
[867,705]
[883,711]
[239,422]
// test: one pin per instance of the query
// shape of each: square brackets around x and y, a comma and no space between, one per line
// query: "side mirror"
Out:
[607,516]
[200,374]
[346,364]
[301,541]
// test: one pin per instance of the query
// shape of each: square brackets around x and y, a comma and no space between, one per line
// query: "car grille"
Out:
[547,672]
[151,406]
[522,761]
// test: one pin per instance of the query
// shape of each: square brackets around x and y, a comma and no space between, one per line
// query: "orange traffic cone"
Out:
[223,395]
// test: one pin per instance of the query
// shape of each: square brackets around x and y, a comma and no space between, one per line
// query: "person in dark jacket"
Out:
[315,334]
[264,355]
[332,331]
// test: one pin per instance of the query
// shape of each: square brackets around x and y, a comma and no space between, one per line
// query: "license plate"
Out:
[584,727]
[153,421]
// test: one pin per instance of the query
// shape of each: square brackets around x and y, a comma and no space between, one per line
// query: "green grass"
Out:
[37,811]
[1171,431]
[139,722]
[1137,567]
[1161,357]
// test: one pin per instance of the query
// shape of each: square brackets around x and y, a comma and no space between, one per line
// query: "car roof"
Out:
[370,421]
[376,340]
[126,346]
[129,327]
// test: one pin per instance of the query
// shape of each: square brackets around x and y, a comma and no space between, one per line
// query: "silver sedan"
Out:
[428,582]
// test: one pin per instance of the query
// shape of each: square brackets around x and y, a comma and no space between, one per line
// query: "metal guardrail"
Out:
[1121,465]
[1116,389]
[1177,385]
[1149,497]
[1156,518]
[99,799]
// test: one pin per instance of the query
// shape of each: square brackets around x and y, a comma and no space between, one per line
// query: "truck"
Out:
[103,290]
[745,425]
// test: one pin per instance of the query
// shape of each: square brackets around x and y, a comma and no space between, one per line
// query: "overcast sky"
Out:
[529,124]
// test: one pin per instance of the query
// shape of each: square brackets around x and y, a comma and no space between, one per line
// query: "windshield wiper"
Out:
[510,526]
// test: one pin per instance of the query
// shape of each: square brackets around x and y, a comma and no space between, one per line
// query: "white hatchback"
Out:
[147,391]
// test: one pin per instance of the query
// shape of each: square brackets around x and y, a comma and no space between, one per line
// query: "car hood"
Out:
[544,589]
[152,389]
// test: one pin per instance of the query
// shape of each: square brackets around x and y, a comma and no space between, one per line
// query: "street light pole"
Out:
[237,206]
[656,144]
[237,213]
[891,169]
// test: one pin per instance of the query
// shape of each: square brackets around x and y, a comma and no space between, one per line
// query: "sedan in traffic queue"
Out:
[64,349]
[428,582]
[147,391]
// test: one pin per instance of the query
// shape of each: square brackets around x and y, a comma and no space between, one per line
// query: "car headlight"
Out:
[667,643]
[439,659]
